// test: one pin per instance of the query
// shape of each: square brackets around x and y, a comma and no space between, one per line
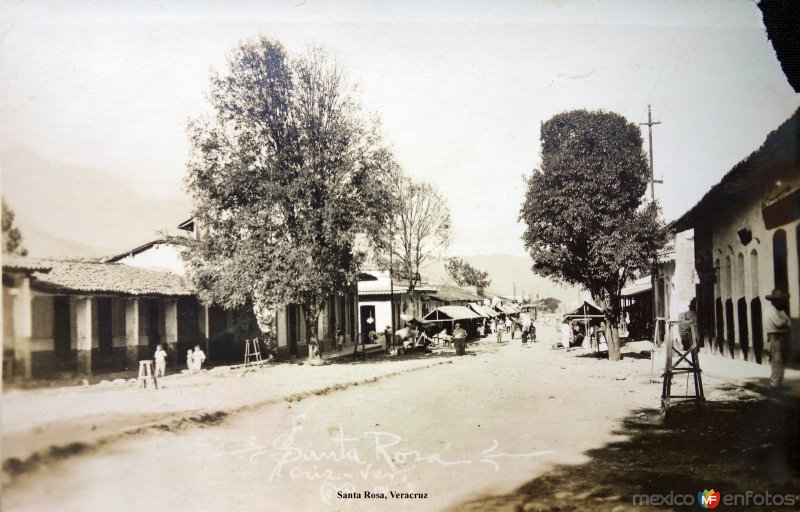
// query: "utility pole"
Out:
[652,179]
[389,345]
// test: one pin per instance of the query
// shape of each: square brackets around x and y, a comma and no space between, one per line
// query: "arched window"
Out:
[779,262]
[739,278]
[726,281]
[718,280]
[754,291]
[757,330]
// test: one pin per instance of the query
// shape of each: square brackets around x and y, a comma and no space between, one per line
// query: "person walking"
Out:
[161,361]
[460,340]
[777,325]
[526,330]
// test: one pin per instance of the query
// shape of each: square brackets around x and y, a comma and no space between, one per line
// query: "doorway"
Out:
[62,330]
[293,327]
[367,316]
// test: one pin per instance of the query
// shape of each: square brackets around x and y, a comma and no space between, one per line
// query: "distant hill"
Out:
[506,271]
[63,209]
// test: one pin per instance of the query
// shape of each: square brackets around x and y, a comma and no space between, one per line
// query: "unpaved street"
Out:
[457,433]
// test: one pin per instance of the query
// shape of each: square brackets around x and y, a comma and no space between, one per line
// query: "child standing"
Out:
[199,358]
[339,339]
[190,359]
[161,361]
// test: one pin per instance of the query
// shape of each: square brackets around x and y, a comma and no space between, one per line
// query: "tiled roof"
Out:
[776,157]
[98,277]
[453,293]
[13,262]
[382,286]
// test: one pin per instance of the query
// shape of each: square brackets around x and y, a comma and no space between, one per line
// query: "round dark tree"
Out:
[587,223]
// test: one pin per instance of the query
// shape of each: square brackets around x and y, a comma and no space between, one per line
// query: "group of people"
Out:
[526,327]
[194,359]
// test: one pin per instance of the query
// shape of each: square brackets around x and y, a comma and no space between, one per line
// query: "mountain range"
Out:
[64,209]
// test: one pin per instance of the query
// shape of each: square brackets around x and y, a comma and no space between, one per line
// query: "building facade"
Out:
[746,243]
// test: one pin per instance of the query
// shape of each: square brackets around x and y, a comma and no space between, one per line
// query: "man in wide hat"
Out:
[777,325]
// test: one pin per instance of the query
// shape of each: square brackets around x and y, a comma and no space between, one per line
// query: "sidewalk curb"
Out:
[15,466]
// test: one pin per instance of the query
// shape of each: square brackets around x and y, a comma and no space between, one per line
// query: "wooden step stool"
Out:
[146,373]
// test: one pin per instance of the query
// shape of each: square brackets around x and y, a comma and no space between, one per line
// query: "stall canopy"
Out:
[585,310]
[506,309]
[448,313]
[482,310]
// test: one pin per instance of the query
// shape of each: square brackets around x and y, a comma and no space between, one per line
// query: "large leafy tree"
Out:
[12,238]
[586,220]
[284,175]
[465,274]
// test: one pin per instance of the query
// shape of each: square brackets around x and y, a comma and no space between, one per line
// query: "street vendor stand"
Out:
[448,316]
[591,316]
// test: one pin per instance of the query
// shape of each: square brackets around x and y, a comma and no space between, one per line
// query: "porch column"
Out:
[23,325]
[203,327]
[132,333]
[83,317]
[171,326]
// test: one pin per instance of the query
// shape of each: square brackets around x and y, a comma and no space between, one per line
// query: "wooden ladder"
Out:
[678,361]
[252,351]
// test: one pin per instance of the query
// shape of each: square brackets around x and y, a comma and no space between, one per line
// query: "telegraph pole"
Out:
[652,179]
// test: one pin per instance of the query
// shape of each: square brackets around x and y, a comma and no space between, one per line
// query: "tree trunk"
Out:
[612,336]
[311,314]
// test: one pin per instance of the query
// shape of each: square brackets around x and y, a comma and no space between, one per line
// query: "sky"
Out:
[461,87]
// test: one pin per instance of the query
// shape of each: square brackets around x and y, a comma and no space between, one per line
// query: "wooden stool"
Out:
[146,373]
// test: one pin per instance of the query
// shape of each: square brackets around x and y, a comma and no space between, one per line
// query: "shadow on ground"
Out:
[744,444]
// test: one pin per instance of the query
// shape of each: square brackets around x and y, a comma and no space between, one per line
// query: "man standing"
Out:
[565,334]
[777,324]
[460,340]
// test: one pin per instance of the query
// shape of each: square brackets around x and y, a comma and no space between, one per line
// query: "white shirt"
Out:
[199,356]
[775,320]
[565,332]
[160,356]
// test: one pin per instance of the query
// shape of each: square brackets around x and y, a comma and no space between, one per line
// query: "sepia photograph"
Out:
[448,255]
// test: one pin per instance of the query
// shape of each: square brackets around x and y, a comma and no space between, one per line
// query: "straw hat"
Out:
[777,294]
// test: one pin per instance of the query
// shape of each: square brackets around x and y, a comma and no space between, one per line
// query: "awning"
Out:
[585,310]
[448,313]
[482,310]
[635,289]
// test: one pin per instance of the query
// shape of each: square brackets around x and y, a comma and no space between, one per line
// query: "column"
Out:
[203,327]
[202,321]
[83,314]
[171,326]
[132,333]
[23,325]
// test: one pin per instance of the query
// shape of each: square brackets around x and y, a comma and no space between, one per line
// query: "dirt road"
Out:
[470,435]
